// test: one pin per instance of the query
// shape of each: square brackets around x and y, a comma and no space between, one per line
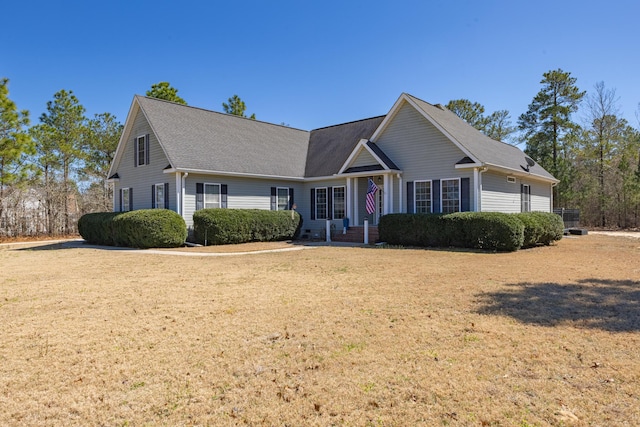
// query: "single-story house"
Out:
[421,157]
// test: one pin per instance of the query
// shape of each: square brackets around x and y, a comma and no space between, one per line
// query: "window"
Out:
[422,196]
[283,198]
[142,150]
[338,203]
[158,199]
[211,196]
[450,191]
[125,199]
[525,198]
[321,203]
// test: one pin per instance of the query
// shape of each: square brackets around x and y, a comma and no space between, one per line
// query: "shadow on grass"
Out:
[608,305]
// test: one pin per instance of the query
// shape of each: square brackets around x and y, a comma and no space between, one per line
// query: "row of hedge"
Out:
[227,226]
[144,228]
[478,230]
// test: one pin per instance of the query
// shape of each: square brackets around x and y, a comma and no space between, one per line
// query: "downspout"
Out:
[477,172]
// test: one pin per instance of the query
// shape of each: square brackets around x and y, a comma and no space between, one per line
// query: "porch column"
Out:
[388,193]
[349,202]
[356,221]
[179,193]
[401,208]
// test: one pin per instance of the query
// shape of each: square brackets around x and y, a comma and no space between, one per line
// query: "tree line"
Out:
[53,172]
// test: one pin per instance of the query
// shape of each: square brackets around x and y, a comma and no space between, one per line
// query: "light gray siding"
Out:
[498,195]
[242,193]
[364,158]
[142,178]
[420,150]
[320,224]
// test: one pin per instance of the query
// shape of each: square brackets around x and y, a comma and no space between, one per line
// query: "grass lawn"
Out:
[322,336]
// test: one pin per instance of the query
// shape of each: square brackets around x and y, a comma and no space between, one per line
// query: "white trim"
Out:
[204,194]
[333,200]
[326,192]
[396,108]
[277,198]
[155,192]
[236,174]
[387,182]
[356,152]
[459,195]
[178,193]
[415,204]
[520,172]
[401,208]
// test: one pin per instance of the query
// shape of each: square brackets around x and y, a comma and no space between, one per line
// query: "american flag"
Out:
[371,192]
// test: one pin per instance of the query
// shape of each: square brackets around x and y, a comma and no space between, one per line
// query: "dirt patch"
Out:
[330,336]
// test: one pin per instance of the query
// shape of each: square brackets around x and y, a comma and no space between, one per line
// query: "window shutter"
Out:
[521,197]
[130,199]
[166,195]
[465,195]
[435,193]
[146,149]
[135,152]
[274,199]
[410,203]
[199,195]
[313,203]
[153,197]
[121,200]
[330,203]
[223,196]
[291,202]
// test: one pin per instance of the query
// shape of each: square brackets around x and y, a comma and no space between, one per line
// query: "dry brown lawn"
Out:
[322,336]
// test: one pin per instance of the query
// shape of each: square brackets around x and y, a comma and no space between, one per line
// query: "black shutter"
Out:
[291,202]
[199,195]
[435,193]
[121,200]
[313,203]
[330,203]
[274,199]
[146,149]
[166,195]
[521,197]
[410,202]
[153,197]
[135,152]
[130,199]
[223,196]
[465,195]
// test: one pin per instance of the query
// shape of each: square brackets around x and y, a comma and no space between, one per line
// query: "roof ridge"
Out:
[220,113]
[348,123]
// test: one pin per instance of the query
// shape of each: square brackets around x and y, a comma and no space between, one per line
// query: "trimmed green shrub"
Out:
[97,228]
[150,228]
[145,228]
[541,228]
[227,226]
[478,230]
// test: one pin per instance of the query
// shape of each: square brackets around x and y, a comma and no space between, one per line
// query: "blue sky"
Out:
[313,64]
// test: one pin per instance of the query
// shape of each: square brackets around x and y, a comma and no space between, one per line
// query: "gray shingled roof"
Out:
[198,139]
[330,147]
[483,148]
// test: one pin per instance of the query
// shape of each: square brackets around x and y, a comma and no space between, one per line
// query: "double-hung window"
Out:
[338,208]
[422,196]
[211,196]
[159,196]
[125,199]
[321,203]
[525,198]
[141,148]
[450,195]
[283,198]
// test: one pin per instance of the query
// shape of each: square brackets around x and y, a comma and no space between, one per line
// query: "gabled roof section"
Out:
[331,146]
[382,161]
[479,149]
[208,141]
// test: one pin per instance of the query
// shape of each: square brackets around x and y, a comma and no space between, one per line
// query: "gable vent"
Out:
[511,179]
